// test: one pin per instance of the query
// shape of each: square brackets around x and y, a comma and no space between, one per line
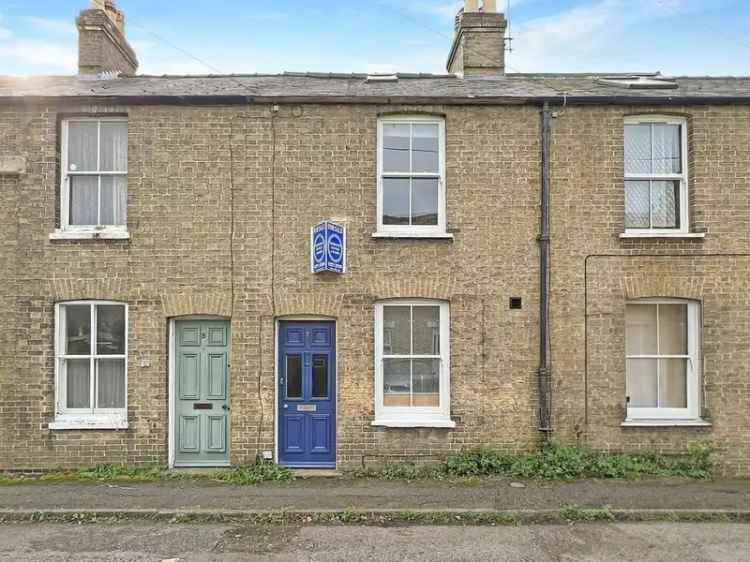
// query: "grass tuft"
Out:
[102,472]
[555,462]
[255,474]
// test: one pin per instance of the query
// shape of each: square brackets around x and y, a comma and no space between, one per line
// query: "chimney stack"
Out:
[479,45]
[102,46]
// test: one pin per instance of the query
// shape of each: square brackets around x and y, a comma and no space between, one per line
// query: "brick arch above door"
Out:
[315,304]
[188,304]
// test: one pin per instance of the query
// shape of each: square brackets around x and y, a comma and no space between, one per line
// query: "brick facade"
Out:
[208,185]
[190,170]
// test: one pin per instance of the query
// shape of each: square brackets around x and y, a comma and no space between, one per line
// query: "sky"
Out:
[676,37]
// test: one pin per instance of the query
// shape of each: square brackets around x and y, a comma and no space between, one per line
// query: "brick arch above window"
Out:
[438,288]
[683,287]
[88,289]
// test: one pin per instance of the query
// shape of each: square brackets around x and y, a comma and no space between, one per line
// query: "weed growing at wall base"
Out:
[557,461]
[243,475]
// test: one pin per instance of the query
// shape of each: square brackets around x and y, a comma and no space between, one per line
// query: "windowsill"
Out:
[443,423]
[657,234]
[666,423]
[103,234]
[427,235]
[91,423]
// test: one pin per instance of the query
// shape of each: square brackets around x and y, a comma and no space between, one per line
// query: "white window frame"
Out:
[684,226]
[413,231]
[694,367]
[391,416]
[86,418]
[72,231]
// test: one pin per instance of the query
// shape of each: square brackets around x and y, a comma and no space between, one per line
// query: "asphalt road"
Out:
[618,542]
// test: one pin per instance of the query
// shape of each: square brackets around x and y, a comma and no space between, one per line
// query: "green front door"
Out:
[201,429]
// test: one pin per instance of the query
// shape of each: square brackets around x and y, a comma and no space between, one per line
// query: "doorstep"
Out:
[316,473]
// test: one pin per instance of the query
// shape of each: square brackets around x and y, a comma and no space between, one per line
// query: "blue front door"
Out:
[307,394]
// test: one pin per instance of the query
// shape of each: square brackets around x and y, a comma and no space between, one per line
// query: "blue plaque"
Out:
[328,247]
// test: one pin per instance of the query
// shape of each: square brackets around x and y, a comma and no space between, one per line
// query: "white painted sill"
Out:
[442,423]
[666,423]
[108,423]
[104,234]
[686,235]
[427,235]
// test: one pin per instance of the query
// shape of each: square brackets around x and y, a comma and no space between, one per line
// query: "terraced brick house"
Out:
[517,258]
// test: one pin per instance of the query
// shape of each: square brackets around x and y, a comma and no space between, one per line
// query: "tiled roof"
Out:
[356,88]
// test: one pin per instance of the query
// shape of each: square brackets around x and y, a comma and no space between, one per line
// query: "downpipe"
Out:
[544,372]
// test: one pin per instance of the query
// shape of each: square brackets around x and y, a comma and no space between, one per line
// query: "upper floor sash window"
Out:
[94,191]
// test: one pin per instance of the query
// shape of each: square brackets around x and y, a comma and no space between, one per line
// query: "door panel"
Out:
[217,432]
[307,394]
[190,434]
[320,431]
[217,364]
[202,398]
[188,376]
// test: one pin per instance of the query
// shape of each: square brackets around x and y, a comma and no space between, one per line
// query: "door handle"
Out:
[225,407]
[286,406]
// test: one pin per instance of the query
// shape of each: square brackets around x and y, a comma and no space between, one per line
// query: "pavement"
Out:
[157,541]
[311,495]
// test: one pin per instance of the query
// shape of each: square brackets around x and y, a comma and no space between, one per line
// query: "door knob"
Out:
[286,406]
[225,407]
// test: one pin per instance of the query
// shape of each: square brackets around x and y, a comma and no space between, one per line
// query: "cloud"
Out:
[33,56]
[59,27]
[585,34]
[5,33]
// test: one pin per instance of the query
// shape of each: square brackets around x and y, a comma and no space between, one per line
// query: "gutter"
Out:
[544,372]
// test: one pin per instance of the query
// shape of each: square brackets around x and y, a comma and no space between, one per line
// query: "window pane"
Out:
[665,197]
[640,329]
[78,385]
[397,324]
[426,383]
[673,383]
[396,147]
[424,201]
[110,383]
[638,149]
[320,376]
[425,149]
[110,330]
[396,382]
[294,376]
[637,204]
[426,335]
[82,140]
[641,383]
[673,329]
[395,201]
[667,154]
[114,147]
[114,200]
[84,198]
[77,329]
